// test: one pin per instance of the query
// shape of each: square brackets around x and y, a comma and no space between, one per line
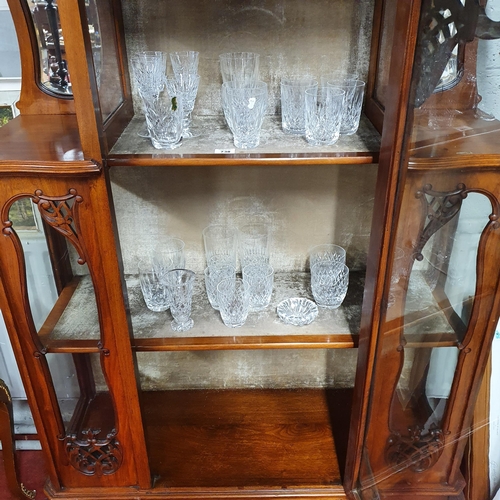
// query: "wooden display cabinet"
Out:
[268,410]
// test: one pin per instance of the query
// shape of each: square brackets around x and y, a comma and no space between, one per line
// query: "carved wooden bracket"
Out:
[61,213]
[92,456]
[417,451]
[438,209]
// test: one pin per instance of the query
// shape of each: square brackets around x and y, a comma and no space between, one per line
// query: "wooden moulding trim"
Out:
[166,160]
[326,493]
[77,346]
[78,168]
[473,162]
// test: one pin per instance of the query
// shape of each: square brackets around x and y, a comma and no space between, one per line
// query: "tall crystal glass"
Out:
[221,243]
[184,62]
[245,108]
[213,276]
[241,68]
[187,87]
[254,243]
[180,286]
[148,73]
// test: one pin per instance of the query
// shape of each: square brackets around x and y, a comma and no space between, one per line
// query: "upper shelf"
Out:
[276,147]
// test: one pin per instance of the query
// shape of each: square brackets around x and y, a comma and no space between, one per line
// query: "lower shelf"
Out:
[248,443]
[247,439]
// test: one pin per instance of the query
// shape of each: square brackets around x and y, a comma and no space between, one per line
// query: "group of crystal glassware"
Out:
[235,296]
[329,283]
[167,101]
[167,284]
[319,111]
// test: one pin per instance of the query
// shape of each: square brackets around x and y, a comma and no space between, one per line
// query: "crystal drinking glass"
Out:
[221,243]
[326,252]
[148,71]
[213,276]
[245,108]
[329,282]
[253,243]
[153,289]
[169,255]
[323,115]
[241,68]
[233,296]
[164,118]
[354,92]
[180,286]
[293,103]
[187,87]
[184,62]
[260,279]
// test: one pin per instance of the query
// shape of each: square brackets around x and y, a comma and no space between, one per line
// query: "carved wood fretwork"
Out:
[418,451]
[438,209]
[92,456]
[61,213]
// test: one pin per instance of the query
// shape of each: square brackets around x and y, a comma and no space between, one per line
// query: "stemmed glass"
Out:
[148,70]
[185,82]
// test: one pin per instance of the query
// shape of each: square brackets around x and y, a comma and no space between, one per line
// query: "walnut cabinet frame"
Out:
[379,439]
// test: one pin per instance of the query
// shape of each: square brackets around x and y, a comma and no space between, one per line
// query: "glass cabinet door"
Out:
[439,306]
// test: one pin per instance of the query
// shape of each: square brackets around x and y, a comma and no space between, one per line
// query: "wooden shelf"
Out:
[73,324]
[244,441]
[460,141]
[275,148]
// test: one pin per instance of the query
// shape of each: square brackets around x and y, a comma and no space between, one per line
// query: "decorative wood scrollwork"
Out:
[61,213]
[92,456]
[438,209]
[418,451]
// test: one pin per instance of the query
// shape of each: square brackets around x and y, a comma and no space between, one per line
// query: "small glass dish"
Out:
[297,311]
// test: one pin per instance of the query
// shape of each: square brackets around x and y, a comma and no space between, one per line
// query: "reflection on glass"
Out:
[456,81]
[54,74]
[103,37]
[437,313]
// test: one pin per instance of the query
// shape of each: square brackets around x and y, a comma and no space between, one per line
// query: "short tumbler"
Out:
[354,92]
[164,118]
[233,295]
[293,91]
[213,276]
[324,107]
[260,279]
[327,252]
[180,285]
[154,291]
[329,282]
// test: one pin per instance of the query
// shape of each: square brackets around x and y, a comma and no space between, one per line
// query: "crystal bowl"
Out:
[297,311]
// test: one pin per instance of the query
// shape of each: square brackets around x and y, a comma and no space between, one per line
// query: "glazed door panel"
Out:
[438,305]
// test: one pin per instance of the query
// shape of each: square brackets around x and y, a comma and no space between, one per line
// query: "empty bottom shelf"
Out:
[248,439]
